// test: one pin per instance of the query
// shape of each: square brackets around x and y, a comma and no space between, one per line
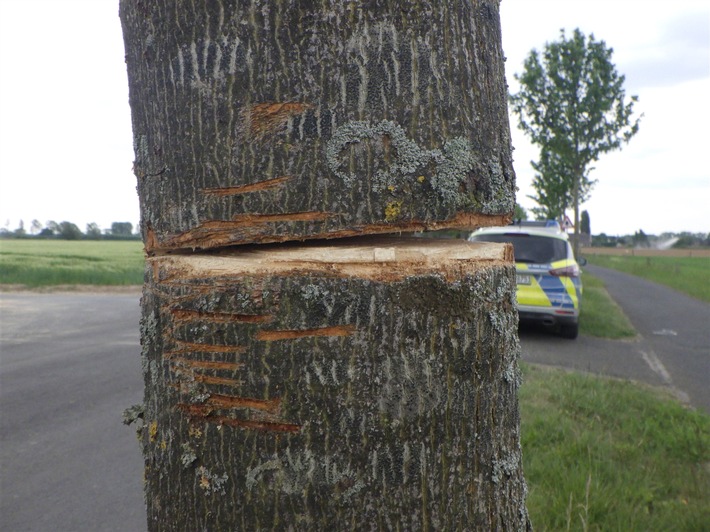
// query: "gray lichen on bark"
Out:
[408,162]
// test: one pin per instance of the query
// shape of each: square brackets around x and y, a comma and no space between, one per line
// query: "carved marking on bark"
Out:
[182,315]
[247,189]
[208,364]
[187,371]
[151,243]
[266,118]
[338,330]
[185,347]
[217,233]
[204,413]
[231,402]
[221,381]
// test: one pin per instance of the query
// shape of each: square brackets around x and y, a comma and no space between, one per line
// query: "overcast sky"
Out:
[65,130]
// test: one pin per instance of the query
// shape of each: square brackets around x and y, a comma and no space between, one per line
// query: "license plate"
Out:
[522,279]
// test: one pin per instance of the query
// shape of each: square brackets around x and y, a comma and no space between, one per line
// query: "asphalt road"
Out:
[674,332]
[70,365]
[672,348]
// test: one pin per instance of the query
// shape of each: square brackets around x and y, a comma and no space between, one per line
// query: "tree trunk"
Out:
[367,384]
[354,386]
[268,120]
[575,199]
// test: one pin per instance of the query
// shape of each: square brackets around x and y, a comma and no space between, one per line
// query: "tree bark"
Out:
[274,120]
[354,386]
[367,384]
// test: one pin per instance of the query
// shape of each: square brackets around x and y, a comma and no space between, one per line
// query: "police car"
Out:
[549,284]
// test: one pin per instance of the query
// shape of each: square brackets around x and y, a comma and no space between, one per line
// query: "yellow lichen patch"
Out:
[393,210]
[453,327]
[153,431]
[194,431]
[391,188]
[421,179]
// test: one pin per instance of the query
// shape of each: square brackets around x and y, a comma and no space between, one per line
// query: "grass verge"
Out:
[690,275]
[41,263]
[603,454]
[600,316]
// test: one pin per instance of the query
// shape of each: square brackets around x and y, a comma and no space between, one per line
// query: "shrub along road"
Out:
[71,365]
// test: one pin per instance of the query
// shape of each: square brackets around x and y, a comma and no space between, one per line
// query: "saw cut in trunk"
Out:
[267,121]
[363,385]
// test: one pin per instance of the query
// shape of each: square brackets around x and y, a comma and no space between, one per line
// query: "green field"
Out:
[690,275]
[605,454]
[43,263]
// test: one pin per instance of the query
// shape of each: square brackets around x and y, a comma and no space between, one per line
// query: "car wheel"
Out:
[569,331]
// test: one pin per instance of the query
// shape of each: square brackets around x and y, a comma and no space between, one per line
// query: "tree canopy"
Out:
[551,184]
[573,106]
[121,228]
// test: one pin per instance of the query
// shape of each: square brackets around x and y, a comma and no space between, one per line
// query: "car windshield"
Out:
[530,248]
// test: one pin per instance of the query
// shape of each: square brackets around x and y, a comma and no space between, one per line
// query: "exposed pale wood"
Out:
[383,258]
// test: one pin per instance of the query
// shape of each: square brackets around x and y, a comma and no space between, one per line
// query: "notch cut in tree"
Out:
[268,121]
[349,386]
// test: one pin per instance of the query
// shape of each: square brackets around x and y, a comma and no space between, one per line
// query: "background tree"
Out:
[553,195]
[52,228]
[520,213]
[551,182]
[640,239]
[69,231]
[573,105]
[122,228]
[689,240]
[603,240]
[93,231]
[585,227]
[36,227]
[20,231]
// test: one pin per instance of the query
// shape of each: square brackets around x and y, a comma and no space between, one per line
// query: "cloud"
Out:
[681,53]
